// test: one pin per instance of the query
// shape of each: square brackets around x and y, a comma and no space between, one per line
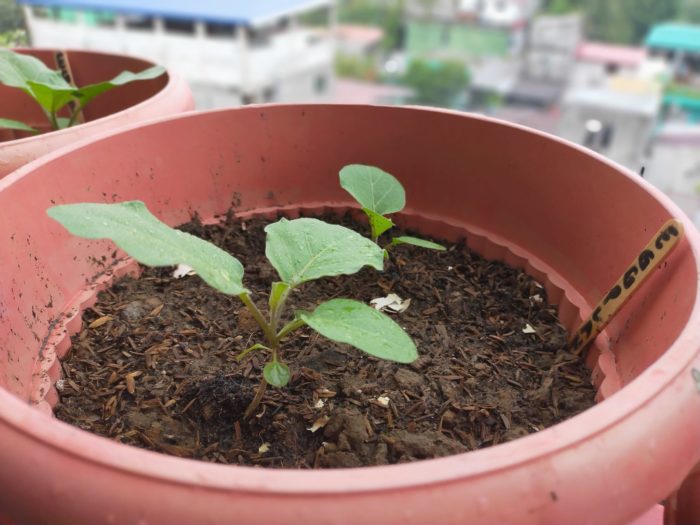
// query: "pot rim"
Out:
[173,83]
[566,435]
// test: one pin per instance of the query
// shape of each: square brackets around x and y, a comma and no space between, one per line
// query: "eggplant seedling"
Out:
[379,193]
[300,250]
[53,92]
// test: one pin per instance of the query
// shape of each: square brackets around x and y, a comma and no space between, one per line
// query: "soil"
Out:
[155,364]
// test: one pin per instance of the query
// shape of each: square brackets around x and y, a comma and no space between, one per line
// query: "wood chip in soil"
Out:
[154,366]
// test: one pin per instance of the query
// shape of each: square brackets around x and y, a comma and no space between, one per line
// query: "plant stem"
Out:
[76,112]
[52,119]
[289,328]
[264,325]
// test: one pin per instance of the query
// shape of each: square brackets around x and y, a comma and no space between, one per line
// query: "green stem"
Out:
[264,325]
[53,120]
[289,328]
[75,114]
[276,312]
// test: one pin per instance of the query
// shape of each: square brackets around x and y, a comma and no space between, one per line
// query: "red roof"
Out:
[610,54]
[367,35]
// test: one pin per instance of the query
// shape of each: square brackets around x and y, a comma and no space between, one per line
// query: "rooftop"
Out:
[682,37]
[612,100]
[241,12]
[610,54]
[367,35]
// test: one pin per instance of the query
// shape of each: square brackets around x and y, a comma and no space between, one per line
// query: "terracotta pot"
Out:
[139,101]
[567,216]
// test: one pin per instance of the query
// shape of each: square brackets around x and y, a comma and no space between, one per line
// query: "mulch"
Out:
[155,364]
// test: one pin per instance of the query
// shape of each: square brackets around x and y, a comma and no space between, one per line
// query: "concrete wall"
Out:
[630,137]
[220,66]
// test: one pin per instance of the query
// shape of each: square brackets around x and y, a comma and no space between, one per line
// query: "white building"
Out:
[230,51]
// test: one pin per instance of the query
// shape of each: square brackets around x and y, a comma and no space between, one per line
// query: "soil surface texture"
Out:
[155,363]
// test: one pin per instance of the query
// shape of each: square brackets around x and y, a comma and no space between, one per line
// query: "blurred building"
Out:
[359,41]
[674,166]
[679,45]
[469,29]
[538,76]
[231,52]
[616,119]
[597,61]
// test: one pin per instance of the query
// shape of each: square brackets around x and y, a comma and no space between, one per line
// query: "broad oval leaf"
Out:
[140,234]
[31,75]
[7,123]
[378,223]
[87,93]
[373,188]
[363,327]
[306,249]
[416,241]
[17,70]
[276,373]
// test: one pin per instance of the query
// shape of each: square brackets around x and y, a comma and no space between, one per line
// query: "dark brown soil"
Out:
[155,364]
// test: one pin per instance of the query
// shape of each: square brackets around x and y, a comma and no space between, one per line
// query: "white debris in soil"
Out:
[391,302]
[529,329]
[183,270]
[263,448]
[319,423]
[319,404]
[383,401]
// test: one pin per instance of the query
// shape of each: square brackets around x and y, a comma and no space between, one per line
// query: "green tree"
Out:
[437,83]
[626,21]
[562,7]
[387,14]
[690,11]
[10,16]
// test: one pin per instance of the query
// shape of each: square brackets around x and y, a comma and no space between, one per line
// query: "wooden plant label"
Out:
[649,258]
[63,64]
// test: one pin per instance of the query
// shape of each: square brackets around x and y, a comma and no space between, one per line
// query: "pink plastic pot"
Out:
[165,95]
[567,216]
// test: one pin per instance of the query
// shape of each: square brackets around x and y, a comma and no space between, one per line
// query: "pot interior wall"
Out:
[87,68]
[552,203]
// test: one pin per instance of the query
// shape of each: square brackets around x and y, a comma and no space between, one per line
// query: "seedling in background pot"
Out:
[379,194]
[300,250]
[54,93]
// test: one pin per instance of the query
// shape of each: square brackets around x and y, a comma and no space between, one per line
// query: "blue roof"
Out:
[683,37]
[245,12]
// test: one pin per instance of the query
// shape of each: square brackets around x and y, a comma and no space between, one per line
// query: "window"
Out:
[219,30]
[139,22]
[320,84]
[247,99]
[269,94]
[182,27]
[599,136]
[258,37]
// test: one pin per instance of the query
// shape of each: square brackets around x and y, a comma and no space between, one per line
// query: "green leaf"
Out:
[136,231]
[278,291]
[17,70]
[32,76]
[373,188]
[51,97]
[363,327]
[306,249]
[276,373]
[256,346]
[378,223]
[89,92]
[16,124]
[415,241]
